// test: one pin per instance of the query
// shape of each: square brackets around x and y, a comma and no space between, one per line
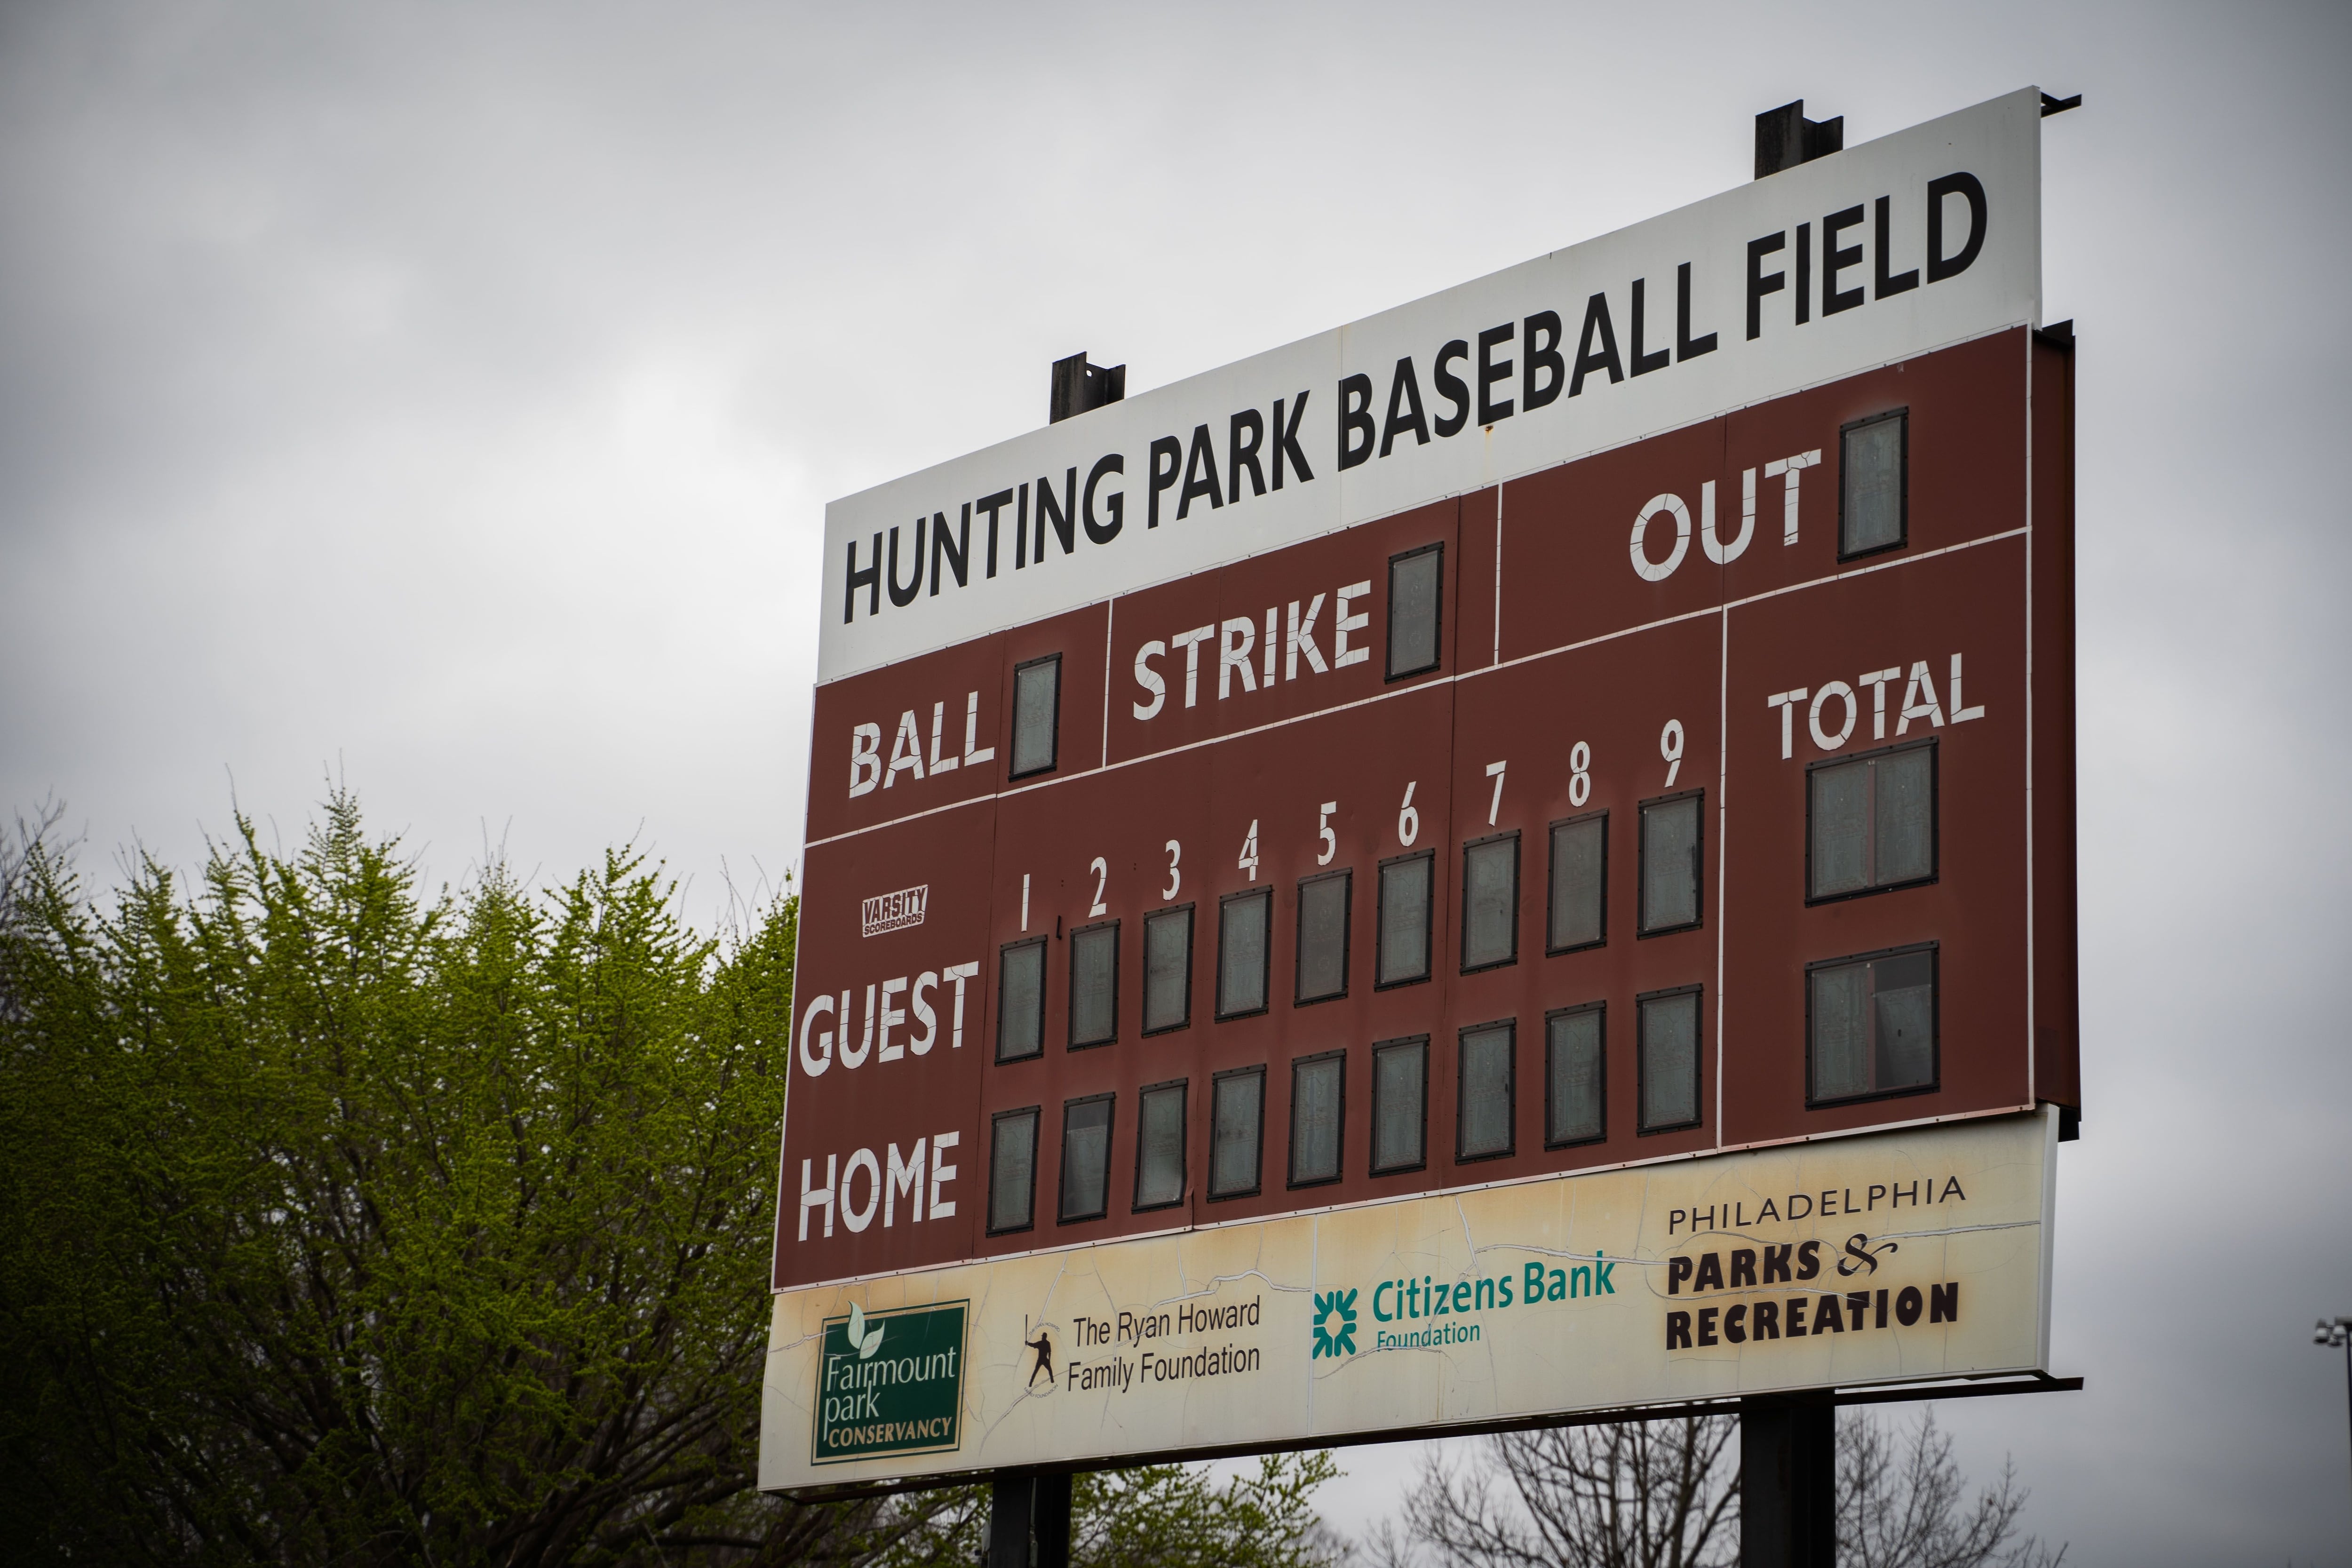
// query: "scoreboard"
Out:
[1512,859]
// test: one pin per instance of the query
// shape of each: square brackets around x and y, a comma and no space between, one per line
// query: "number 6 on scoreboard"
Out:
[1408,818]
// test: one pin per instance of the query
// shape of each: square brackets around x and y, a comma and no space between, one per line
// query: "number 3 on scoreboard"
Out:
[1175,877]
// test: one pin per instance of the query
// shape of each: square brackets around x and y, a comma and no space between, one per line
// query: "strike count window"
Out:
[1416,579]
[1870,822]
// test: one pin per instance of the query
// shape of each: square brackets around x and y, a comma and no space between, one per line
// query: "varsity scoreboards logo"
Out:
[890,1383]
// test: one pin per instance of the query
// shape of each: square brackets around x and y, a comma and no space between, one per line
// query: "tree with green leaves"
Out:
[341,1223]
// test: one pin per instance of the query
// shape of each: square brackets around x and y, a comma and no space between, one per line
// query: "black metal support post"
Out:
[1029,1521]
[1787,1484]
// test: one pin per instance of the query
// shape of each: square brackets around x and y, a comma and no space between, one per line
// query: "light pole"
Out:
[2338,1336]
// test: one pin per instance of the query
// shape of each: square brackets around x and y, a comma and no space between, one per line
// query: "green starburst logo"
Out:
[1335,1323]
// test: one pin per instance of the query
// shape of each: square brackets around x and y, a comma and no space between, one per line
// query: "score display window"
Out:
[1012,1170]
[1324,908]
[1576,1076]
[1674,878]
[1579,916]
[1021,1000]
[1094,985]
[1404,934]
[1160,1133]
[1236,1131]
[1168,969]
[1667,1048]
[1870,1025]
[1245,922]
[1400,1106]
[1319,1104]
[1483,1109]
[1490,903]
[1086,1157]
[1870,822]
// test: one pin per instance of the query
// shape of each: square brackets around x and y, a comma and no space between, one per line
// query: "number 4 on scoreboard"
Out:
[1248,861]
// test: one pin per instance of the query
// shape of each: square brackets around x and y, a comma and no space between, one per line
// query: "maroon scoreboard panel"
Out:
[1709,791]
[1510,860]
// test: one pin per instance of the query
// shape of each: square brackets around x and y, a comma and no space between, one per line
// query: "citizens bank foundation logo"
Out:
[896,912]
[1335,1323]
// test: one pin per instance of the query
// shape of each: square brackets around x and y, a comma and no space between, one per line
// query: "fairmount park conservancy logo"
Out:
[1335,1323]
[890,1382]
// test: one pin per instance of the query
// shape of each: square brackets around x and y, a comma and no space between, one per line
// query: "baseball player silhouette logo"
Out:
[1043,1345]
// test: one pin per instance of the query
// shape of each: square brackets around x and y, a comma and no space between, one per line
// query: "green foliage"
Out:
[340,1224]
[1157,1516]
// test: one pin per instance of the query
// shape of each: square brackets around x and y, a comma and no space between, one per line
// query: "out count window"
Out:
[1874,501]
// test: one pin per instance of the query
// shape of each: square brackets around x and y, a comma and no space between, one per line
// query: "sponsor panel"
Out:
[1872,1259]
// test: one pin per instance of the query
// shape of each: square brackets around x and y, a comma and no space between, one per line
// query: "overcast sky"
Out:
[446,399]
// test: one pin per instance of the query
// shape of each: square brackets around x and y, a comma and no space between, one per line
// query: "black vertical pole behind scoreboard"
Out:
[1029,1521]
[1787,1483]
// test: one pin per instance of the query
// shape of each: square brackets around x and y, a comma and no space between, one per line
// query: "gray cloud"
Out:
[450,397]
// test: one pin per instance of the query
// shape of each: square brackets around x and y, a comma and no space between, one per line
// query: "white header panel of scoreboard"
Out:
[1877,253]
